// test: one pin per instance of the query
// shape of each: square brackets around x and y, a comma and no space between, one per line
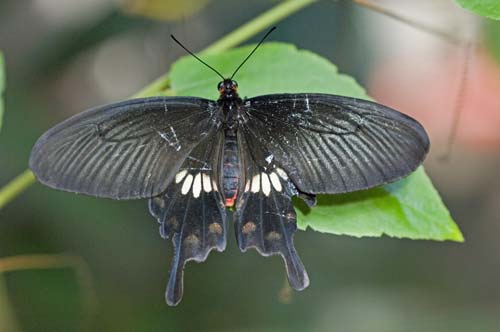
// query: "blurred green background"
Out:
[65,56]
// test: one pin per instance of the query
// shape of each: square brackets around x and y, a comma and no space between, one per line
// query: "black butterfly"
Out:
[194,158]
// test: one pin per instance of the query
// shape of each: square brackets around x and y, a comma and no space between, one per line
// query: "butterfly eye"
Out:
[220,86]
[234,84]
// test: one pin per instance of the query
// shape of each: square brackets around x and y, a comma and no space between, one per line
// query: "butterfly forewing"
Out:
[334,144]
[125,150]
[192,211]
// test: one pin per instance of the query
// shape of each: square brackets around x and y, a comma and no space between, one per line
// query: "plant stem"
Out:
[8,321]
[16,187]
[410,22]
[49,261]
[53,261]
[261,22]
[246,31]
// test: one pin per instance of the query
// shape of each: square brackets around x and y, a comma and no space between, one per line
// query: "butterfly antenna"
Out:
[255,49]
[197,58]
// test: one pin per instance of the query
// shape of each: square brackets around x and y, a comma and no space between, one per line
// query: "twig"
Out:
[408,21]
[51,261]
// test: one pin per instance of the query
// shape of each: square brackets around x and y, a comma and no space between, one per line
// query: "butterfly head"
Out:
[228,89]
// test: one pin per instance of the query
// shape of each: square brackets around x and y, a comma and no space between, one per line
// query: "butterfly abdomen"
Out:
[230,168]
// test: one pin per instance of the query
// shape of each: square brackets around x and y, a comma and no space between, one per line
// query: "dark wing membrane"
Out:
[125,150]
[192,212]
[264,217]
[334,144]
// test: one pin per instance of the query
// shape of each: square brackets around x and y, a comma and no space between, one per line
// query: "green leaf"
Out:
[487,8]
[274,68]
[2,87]
[409,208]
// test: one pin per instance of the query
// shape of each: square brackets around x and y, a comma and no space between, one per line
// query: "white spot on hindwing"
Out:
[180,176]
[199,182]
[186,185]
[197,185]
[266,184]
[207,186]
[282,173]
[275,180]
[255,183]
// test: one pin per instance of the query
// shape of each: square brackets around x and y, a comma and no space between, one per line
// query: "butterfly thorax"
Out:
[229,101]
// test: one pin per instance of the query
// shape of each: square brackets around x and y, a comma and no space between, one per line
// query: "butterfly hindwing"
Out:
[264,217]
[335,144]
[125,150]
[192,212]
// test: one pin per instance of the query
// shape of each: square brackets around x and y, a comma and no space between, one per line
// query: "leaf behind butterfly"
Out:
[410,208]
[486,8]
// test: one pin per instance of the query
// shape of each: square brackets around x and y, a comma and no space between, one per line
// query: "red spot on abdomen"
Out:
[231,200]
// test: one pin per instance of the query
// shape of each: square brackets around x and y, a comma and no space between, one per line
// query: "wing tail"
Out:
[265,220]
[192,213]
[175,285]
[197,225]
